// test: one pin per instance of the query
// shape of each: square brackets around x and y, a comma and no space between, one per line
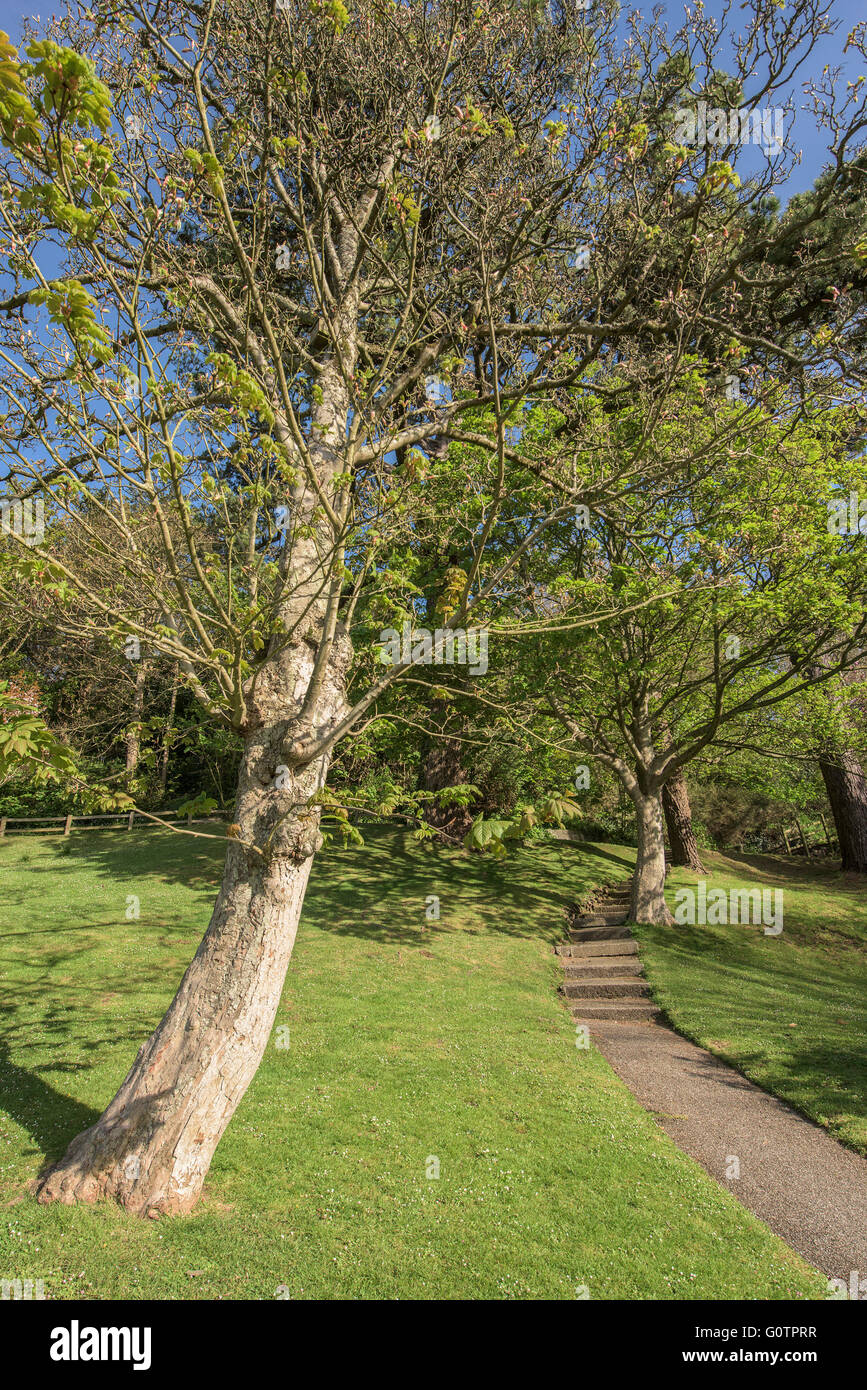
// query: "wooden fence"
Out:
[121,820]
[127,820]
[795,840]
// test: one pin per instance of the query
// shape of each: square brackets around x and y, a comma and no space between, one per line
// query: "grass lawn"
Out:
[407,1042]
[790,1011]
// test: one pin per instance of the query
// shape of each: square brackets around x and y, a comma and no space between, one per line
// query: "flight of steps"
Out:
[604,979]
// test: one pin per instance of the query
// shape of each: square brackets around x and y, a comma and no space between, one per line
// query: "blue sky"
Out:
[804,136]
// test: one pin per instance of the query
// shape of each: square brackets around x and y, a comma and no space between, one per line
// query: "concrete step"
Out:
[587,950]
[611,987]
[604,917]
[615,1010]
[611,933]
[599,967]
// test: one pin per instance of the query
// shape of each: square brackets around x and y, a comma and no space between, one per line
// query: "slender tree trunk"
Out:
[648,882]
[847,795]
[133,736]
[678,820]
[167,735]
[152,1147]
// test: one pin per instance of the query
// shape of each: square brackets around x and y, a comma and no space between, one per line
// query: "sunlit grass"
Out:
[409,1042]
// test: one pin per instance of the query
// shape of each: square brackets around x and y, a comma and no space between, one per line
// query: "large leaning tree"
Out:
[260,262]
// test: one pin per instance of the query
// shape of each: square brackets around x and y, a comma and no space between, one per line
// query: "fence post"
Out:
[68,826]
[2,826]
[130,821]
[825,828]
[803,840]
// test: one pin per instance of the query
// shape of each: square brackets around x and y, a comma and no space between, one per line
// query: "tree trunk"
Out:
[442,767]
[152,1147]
[847,796]
[167,736]
[133,735]
[648,882]
[678,820]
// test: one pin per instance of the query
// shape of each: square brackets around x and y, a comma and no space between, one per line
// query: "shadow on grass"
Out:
[841,1070]
[51,1118]
[378,890]
[383,896]
[757,1002]
[794,871]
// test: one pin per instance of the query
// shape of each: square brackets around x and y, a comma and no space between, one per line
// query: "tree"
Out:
[678,823]
[840,728]
[844,780]
[729,599]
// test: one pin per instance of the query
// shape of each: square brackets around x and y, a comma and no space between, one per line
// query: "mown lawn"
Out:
[790,1011]
[408,1042]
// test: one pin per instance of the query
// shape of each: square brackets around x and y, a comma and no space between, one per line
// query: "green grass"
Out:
[406,1041]
[790,1011]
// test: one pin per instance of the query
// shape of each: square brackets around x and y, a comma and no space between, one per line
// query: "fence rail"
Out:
[793,840]
[127,820]
[122,820]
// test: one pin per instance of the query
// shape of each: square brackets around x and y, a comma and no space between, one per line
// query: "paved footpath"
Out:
[799,1180]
